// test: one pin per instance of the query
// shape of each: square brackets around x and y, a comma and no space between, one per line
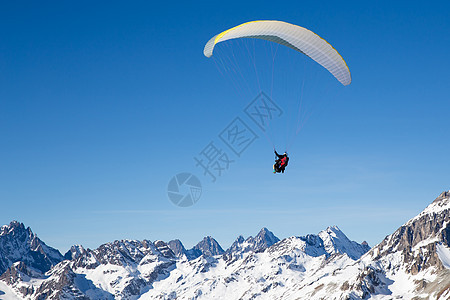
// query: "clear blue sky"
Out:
[101,104]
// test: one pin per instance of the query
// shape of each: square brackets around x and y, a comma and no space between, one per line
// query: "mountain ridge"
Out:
[412,262]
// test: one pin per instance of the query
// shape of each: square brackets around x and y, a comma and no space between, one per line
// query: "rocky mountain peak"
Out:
[442,201]
[332,233]
[122,252]
[443,195]
[335,241]
[263,240]
[263,231]
[75,252]
[18,243]
[266,237]
[240,239]
[420,233]
[15,228]
[439,205]
[164,249]
[177,247]
[334,230]
[209,247]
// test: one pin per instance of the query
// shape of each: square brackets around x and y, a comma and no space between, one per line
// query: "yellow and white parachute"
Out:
[292,36]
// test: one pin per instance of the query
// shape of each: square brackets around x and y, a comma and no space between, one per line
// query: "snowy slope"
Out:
[444,254]
[6,293]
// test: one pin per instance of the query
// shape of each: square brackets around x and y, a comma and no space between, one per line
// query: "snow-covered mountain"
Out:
[263,240]
[18,243]
[208,246]
[335,241]
[131,269]
[413,262]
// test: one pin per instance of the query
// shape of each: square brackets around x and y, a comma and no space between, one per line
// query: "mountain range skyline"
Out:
[207,246]
[23,255]
[414,261]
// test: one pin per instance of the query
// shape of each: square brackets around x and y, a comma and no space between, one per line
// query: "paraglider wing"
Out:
[292,36]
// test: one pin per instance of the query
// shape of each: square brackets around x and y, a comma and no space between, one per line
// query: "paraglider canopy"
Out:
[295,37]
[247,55]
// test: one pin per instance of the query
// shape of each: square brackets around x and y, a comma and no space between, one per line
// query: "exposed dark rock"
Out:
[208,247]
[18,243]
